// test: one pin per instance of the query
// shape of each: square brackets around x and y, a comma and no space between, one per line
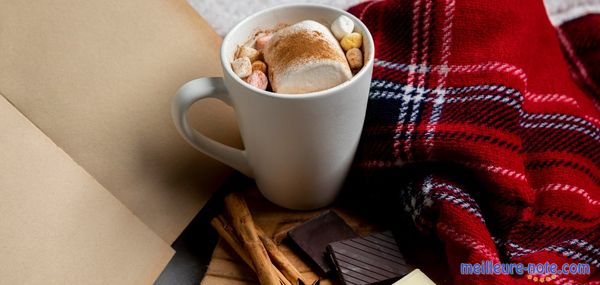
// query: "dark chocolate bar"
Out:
[313,236]
[374,259]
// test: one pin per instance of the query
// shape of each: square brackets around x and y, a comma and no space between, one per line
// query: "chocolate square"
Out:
[313,236]
[374,259]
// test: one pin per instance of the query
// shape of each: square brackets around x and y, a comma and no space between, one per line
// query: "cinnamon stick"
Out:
[228,235]
[244,226]
[279,259]
[221,227]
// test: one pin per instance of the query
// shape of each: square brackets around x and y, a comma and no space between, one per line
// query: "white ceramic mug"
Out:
[298,147]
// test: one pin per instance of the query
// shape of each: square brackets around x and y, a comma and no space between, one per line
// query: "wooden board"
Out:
[226,268]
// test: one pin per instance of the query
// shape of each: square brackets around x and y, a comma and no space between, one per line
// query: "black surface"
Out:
[313,236]
[374,259]
[194,247]
[193,252]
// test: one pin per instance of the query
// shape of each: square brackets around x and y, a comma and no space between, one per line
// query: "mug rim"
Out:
[367,35]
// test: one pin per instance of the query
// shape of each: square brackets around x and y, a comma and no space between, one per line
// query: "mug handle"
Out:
[188,94]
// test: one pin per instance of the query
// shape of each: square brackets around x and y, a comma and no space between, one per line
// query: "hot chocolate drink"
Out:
[301,58]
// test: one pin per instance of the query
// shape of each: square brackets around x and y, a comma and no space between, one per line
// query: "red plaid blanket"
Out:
[500,111]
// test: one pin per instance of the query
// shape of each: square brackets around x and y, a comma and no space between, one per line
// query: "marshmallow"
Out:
[259,65]
[258,79]
[242,67]
[261,42]
[355,58]
[305,57]
[352,40]
[341,27]
[248,52]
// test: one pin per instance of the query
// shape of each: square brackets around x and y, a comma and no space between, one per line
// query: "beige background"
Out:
[97,77]
[58,225]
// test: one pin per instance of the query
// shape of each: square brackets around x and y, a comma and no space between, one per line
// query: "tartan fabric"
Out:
[580,40]
[504,129]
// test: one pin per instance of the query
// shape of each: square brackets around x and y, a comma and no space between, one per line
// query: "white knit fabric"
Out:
[560,11]
[222,15]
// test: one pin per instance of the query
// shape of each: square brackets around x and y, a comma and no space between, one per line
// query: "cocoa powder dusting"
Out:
[300,47]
